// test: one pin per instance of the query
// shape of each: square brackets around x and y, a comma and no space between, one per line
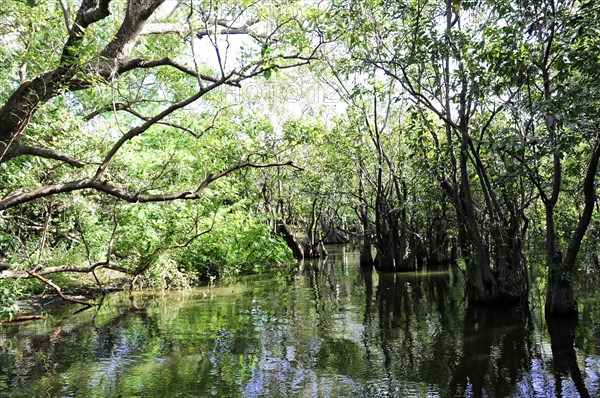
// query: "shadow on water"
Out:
[564,358]
[328,329]
[411,321]
[496,352]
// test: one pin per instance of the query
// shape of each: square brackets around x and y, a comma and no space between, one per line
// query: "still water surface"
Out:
[322,329]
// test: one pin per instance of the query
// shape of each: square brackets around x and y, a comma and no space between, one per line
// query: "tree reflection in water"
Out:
[328,329]
[564,358]
[496,352]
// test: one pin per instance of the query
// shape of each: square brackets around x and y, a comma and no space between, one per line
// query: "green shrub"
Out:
[238,244]
[9,296]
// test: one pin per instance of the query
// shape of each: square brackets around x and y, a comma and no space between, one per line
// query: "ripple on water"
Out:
[330,331]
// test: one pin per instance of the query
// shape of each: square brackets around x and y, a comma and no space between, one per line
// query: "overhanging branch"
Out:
[120,193]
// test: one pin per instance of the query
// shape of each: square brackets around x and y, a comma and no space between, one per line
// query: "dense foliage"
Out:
[171,141]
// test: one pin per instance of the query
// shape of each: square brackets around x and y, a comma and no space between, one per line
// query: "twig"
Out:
[66,13]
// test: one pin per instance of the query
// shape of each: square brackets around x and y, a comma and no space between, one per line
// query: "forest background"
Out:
[157,142]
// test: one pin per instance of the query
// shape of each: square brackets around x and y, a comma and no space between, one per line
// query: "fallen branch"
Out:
[59,291]
[7,273]
[23,318]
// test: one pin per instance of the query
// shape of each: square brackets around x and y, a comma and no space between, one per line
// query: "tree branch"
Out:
[120,193]
[46,153]
[136,131]
[23,318]
[116,106]
[145,64]
[119,106]
[173,28]
[24,197]
[92,11]
[66,13]
[8,273]
[58,290]
[589,196]
[89,12]
[118,50]
[163,28]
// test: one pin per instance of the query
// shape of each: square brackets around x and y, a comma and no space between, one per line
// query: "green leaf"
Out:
[267,74]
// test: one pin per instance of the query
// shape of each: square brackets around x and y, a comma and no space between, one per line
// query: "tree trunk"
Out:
[19,108]
[391,239]
[289,239]
[513,283]
[481,283]
[366,257]
[437,241]
[391,254]
[559,296]
[22,104]
[513,286]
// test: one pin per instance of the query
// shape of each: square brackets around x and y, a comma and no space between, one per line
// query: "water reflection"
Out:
[496,352]
[328,329]
[564,357]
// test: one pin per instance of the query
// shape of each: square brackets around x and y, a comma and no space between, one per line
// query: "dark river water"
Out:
[320,329]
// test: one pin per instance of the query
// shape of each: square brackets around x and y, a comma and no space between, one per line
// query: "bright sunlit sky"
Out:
[286,94]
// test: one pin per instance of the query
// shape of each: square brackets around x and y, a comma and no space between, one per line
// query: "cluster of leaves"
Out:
[237,244]
[9,296]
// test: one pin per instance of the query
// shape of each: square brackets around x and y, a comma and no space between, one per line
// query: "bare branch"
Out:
[196,236]
[163,28]
[136,131]
[66,13]
[118,106]
[145,64]
[113,107]
[193,47]
[58,290]
[46,153]
[407,84]
[260,71]
[226,29]
[242,30]
[213,177]
[8,273]
[23,197]
[258,68]
[111,241]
